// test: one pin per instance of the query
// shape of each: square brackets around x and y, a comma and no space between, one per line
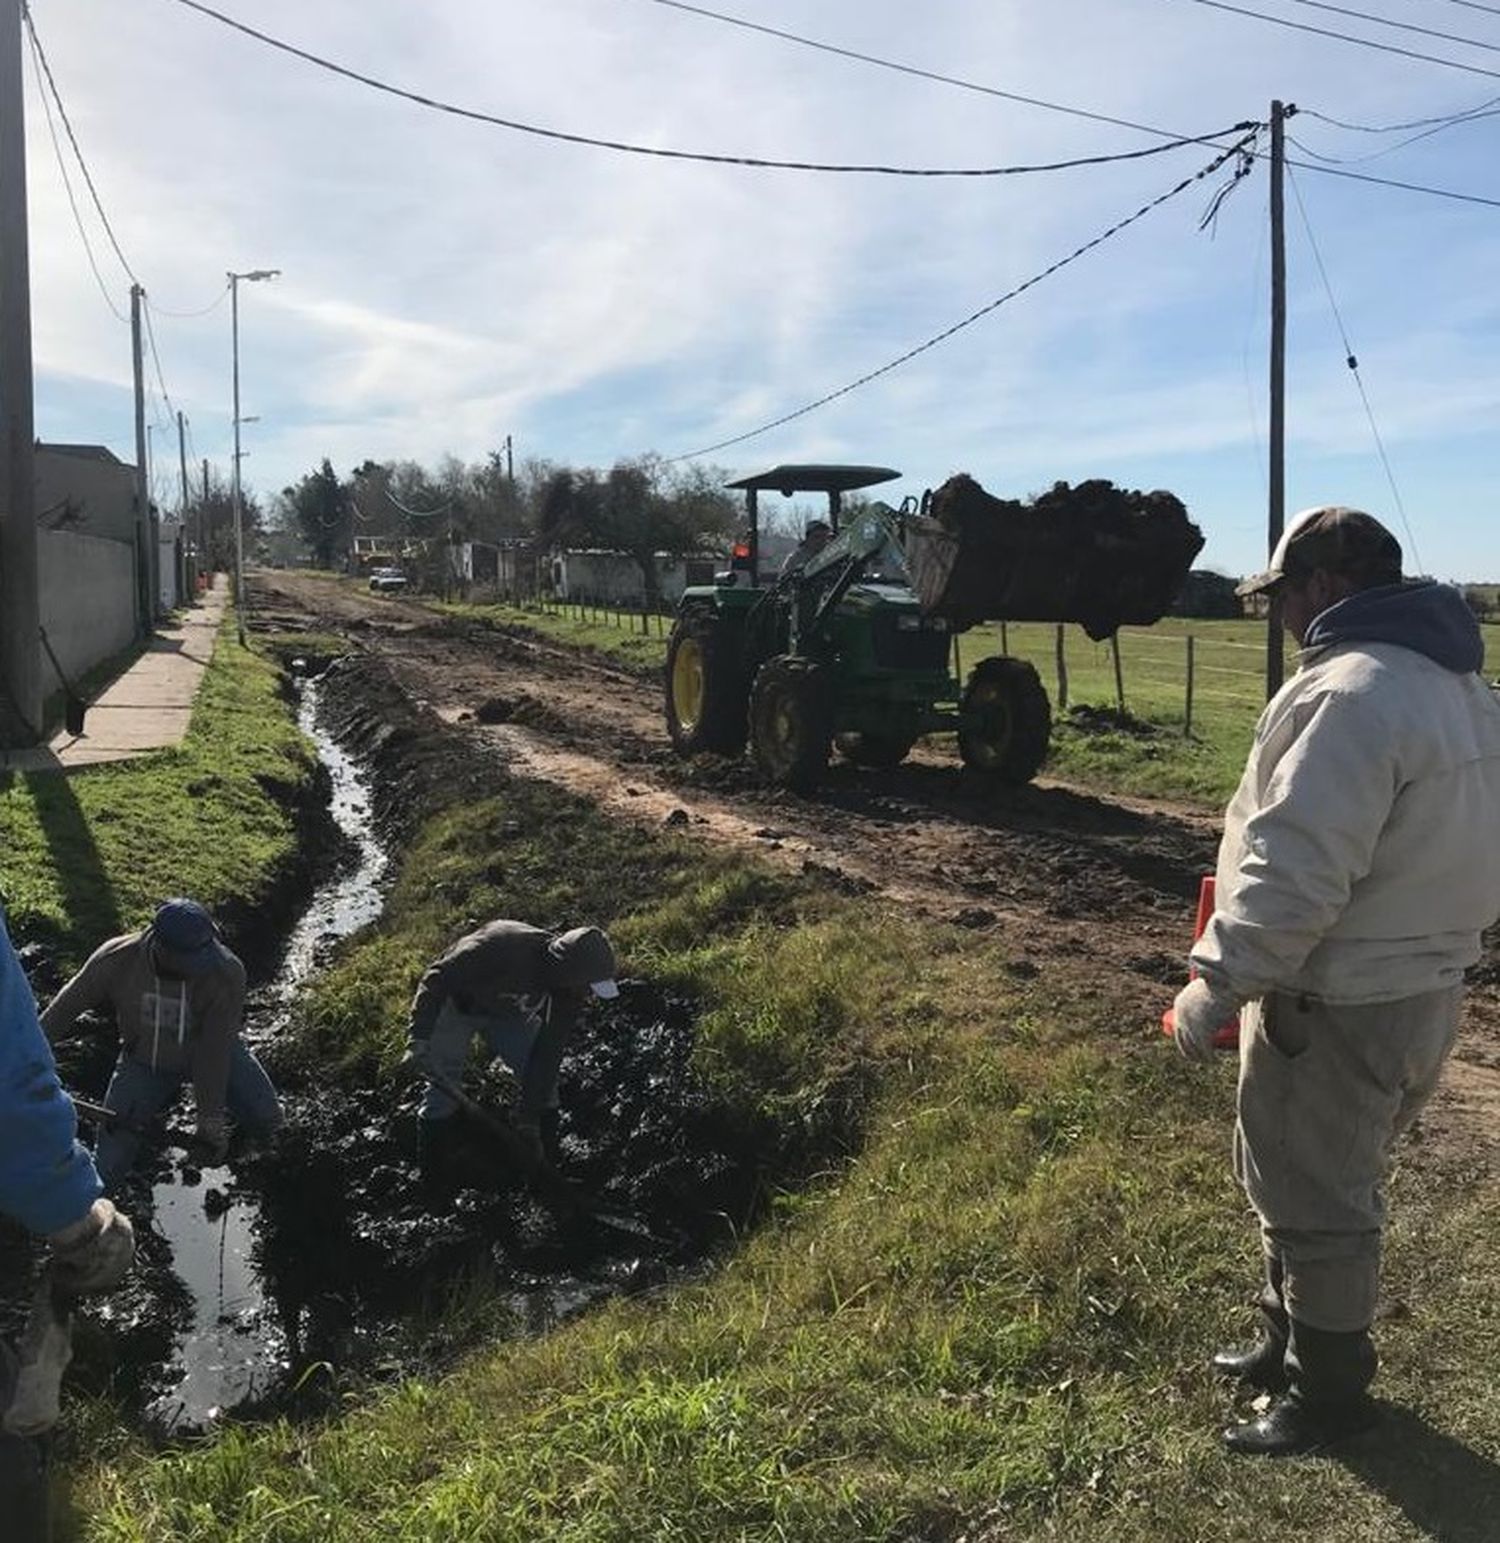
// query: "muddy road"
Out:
[1098,889]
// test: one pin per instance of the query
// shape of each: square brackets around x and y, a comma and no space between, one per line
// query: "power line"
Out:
[1399,26]
[1352,361]
[161,379]
[67,181]
[202,310]
[1385,150]
[1392,182]
[1400,128]
[625,147]
[1343,37]
[1474,5]
[83,165]
[1241,148]
[921,74]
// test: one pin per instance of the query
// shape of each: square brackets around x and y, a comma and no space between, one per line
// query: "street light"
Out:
[254,276]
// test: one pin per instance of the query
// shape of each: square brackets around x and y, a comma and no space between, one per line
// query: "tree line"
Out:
[644,507]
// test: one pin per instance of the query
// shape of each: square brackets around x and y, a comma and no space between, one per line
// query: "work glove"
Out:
[94,1253]
[1197,1016]
[210,1144]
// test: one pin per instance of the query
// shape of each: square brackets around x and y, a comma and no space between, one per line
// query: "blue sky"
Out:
[446,284]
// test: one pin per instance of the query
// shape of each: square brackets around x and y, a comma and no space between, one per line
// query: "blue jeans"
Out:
[508,1036]
[138,1094]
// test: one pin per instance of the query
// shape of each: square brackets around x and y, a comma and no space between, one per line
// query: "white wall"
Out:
[87,601]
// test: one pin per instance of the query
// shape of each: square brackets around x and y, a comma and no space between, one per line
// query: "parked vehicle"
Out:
[387,581]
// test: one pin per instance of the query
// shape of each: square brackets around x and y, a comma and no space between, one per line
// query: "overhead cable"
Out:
[161,379]
[474,115]
[1399,26]
[1393,182]
[1479,111]
[83,165]
[1242,148]
[1385,150]
[921,74]
[1474,5]
[202,310]
[1343,37]
[67,181]
[1352,361]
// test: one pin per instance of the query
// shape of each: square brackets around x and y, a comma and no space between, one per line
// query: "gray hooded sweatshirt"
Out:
[1358,858]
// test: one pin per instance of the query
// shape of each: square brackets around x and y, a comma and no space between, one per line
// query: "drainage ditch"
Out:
[277,1284]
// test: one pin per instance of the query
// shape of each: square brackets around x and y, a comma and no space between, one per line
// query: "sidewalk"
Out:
[148,707]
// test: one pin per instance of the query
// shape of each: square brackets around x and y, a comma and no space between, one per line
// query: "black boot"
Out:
[1325,1402]
[1263,1366]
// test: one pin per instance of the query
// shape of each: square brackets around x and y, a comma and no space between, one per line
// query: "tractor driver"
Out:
[817,536]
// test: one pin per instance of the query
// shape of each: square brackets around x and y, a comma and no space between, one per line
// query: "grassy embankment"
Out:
[90,854]
[985,1319]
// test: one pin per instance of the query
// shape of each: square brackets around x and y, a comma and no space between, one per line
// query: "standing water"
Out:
[234,1348]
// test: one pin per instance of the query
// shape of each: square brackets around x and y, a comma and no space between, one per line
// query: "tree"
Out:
[213,523]
[317,508]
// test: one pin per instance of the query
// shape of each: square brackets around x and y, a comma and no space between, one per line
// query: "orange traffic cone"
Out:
[1228,1036]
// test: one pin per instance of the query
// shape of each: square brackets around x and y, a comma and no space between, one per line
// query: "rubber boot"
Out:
[1325,1401]
[1263,1366]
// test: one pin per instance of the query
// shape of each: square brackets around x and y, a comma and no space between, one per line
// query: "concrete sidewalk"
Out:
[148,707]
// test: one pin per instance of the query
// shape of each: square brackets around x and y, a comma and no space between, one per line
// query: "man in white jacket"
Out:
[1356,874]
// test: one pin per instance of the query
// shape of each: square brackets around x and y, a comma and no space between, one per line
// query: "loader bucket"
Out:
[1095,554]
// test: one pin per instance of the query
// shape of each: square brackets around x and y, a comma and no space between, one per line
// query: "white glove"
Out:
[94,1253]
[1197,1016]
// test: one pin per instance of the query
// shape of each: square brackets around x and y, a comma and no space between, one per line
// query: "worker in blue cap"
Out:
[178,997]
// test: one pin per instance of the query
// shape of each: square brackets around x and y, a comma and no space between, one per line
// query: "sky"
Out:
[446,283]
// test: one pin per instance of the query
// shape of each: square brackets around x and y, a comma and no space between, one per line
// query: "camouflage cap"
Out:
[1333,539]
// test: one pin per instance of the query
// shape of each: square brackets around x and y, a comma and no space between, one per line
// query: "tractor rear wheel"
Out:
[705,687]
[791,721]
[1005,720]
[874,749]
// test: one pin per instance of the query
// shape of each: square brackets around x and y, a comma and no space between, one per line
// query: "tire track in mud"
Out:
[1064,877]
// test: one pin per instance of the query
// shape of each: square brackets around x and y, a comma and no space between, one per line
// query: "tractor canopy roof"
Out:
[816,479]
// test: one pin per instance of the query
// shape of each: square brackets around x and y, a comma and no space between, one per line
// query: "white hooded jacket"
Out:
[1360,860]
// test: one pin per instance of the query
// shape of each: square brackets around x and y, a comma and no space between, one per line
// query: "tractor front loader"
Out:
[844,653]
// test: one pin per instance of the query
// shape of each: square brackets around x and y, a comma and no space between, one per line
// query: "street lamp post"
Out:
[253,277]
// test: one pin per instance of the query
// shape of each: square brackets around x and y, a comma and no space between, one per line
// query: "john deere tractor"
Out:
[839,653]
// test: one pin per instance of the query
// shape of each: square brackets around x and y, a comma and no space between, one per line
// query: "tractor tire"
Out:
[874,749]
[791,721]
[705,688]
[1005,720]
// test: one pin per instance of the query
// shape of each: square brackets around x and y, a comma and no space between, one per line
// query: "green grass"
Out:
[986,1318]
[90,854]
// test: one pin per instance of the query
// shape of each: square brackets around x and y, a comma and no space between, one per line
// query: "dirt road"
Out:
[1060,875]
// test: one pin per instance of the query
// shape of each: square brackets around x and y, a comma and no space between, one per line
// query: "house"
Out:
[615,578]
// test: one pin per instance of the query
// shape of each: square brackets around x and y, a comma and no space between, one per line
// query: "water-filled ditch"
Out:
[277,1283]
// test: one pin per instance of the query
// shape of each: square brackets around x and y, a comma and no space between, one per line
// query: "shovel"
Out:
[548,1181]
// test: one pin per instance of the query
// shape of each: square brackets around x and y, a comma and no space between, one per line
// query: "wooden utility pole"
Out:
[190,569]
[510,464]
[1276,503]
[145,557]
[20,600]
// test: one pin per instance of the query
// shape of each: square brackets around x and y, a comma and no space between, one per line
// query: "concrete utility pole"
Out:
[145,556]
[510,465]
[182,469]
[1276,508]
[20,601]
[253,277]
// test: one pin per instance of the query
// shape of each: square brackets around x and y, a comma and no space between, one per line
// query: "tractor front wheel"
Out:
[705,688]
[1005,720]
[791,721]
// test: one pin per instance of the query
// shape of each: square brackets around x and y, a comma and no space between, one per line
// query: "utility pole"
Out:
[1276,502]
[186,518]
[239,514]
[510,465]
[203,522]
[145,564]
[20,601]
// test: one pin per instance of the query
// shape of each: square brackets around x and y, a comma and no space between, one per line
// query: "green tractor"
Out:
[838,653]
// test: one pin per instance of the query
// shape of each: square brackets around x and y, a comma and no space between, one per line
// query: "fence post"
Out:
[1004,639]
[1187,704]
[1062,672]
[1114,648]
